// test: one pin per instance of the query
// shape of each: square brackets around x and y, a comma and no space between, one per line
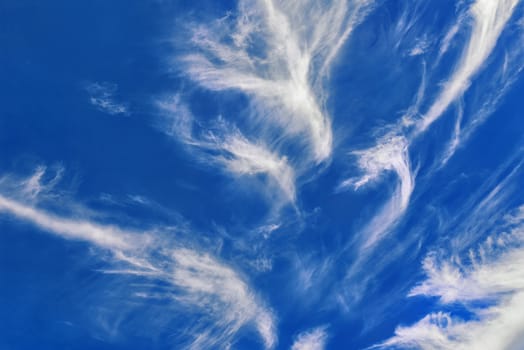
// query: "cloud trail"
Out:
[198,282]
[109,237]
[245,158]
[389,155]
[494,277]
[210,284]
[268,52]
[489,19]
[224,145]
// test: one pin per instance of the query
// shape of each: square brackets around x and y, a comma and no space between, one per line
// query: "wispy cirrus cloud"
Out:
[245,158]
[102,95]
[224,145]
[389,155]
[490,275]
[489,19]
[314,339]
[207,282]
[40,184]
[270,52]
[105,236]
[484,278]
[267,51]
[196,281]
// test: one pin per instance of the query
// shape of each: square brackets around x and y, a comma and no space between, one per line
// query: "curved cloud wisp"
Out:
[210,284]
[267,52]
[314,339]
[489,282]
[489,19]
[389,155]
[104,236]
[198,282]
[225,146]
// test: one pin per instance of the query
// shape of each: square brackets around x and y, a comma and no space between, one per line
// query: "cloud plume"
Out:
[389,155]
[489,19]
[198,282]
[488,281]
[267,52]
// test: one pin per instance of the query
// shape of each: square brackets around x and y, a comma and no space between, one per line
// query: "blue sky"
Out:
[261,174]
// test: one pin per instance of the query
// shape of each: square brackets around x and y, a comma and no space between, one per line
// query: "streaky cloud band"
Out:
[284,74]
[199,281]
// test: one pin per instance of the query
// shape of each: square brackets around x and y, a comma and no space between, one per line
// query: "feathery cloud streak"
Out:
[204,279]
[489,282]
[104,236]
[224,145]
[199,282]
[267,52]
[489,19]
[390,154]
[314,339]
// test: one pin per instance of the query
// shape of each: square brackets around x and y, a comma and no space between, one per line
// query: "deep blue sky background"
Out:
[128,172]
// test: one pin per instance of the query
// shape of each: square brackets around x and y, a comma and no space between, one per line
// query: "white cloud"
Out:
[225,145]
[499,327]
[491,275]
[449,36]
[245,158]
[271,52]
[210,284]
[504,78]
[105,236]
[199,283]
[33,185]
[178,122]
[492,270]
[420,47]
[390,154]
[38,186]
[454,143]
[489,19]
[314,339]
[102,96]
